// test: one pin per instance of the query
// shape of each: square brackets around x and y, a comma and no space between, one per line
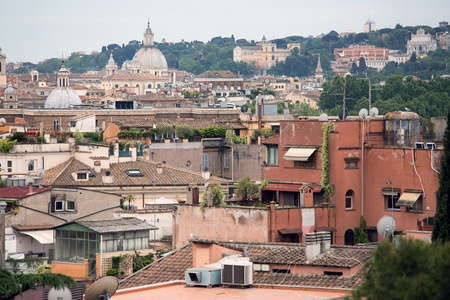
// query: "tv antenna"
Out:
[103,288]
[385,226]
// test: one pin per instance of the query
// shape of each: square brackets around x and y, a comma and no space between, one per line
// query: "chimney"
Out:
[30,188]
[159,168]
[317,243]
[206,175]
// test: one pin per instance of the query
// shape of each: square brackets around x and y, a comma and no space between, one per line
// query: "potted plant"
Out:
[419,224]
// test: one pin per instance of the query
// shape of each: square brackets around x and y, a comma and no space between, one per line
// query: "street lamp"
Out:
[2,214]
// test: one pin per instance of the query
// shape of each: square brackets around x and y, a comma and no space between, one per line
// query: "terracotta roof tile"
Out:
[133,76]
[33,227]
[169,268]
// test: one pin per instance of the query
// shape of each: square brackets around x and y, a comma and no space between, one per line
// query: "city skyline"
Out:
[36,30]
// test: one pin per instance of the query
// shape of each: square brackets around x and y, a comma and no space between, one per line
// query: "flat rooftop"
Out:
[179,291]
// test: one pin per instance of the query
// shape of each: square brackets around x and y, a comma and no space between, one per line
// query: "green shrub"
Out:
[19,136]
[112,272]
[184,131]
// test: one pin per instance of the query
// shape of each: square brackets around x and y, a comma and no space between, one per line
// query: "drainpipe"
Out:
[362,169]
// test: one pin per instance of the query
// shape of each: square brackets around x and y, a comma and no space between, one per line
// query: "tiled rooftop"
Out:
[116,225]
[173,267]
[19,192]
[232,123]
[132,76]
[169,268]
[61,175]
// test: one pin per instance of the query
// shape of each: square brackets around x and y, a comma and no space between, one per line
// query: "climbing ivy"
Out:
[325,182]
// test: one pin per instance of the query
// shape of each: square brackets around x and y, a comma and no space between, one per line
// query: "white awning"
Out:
[299,154]
[42,236]
[408,199]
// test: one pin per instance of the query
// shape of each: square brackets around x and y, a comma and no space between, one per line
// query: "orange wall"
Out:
[205,254]
[75,270]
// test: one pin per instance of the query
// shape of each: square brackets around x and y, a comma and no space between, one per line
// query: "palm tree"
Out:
[130,198]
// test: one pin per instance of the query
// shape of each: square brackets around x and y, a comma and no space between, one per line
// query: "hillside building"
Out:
[420,43]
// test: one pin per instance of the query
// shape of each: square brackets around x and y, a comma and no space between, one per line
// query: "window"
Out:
[31,166]
[332,273]
[134,173]
[391,201]
[70,205]
[55,124]
[9,166]
[417,207]
[349,199]
[272,155]
[81,176]
[349,237]
[351,164]
[226,160]
[72,124]
[205,161]
[59,205]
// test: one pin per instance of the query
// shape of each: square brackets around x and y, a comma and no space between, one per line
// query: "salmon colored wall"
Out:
[75,270]
[205,254]
[419,235]
[110,132]
[287,218]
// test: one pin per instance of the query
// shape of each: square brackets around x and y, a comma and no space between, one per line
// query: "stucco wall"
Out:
[74,270]
[221,223]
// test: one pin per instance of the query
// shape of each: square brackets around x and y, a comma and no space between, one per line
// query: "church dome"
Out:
[10,90]
[62,97]
[149,56]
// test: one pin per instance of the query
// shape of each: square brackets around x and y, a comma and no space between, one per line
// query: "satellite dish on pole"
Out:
[103,288]
[323,117]
[386,226]
[363,113]
[40,173]
[373,112]
[343,114]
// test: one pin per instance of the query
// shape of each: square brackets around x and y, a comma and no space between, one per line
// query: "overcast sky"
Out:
[32,30]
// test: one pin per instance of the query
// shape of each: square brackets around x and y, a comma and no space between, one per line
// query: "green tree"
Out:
[441,224]
[130,198]
[245,188]
[410,270]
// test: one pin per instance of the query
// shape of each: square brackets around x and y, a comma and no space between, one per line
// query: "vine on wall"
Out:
[325,182]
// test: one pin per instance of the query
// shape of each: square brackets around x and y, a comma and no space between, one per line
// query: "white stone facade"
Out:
[420,43]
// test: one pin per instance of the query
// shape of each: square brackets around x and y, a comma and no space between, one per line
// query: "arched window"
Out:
[126,85]
[349,199]
[349,237]
[116,86]
[159,86]
[149,86]
[137,85]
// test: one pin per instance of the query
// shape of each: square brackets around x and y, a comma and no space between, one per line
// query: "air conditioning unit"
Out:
[237,271]
[204,276]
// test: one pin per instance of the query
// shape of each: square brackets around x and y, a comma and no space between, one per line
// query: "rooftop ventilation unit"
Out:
[431,146]
[204,276]
[237,271]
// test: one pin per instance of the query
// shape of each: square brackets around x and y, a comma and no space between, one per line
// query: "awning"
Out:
[408,199]
[299,154]
[42,236]
[283,187]
[290,231]
[390,192]
[317,229]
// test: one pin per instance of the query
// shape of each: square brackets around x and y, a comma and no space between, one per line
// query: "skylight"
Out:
[134,173]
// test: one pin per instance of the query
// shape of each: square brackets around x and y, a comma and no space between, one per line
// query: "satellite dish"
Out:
[103,288]
[2,120]
[386,226]
[373,112]
[244,108]
[323,117]
[343,114]
[40,173]
[363,113]
[28,180]
[61,294]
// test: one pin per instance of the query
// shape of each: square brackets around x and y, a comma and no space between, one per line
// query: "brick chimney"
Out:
[30,188]
[317,243]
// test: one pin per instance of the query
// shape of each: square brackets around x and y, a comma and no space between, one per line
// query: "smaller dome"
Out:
[10,89]
[62,98]
[34,72]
